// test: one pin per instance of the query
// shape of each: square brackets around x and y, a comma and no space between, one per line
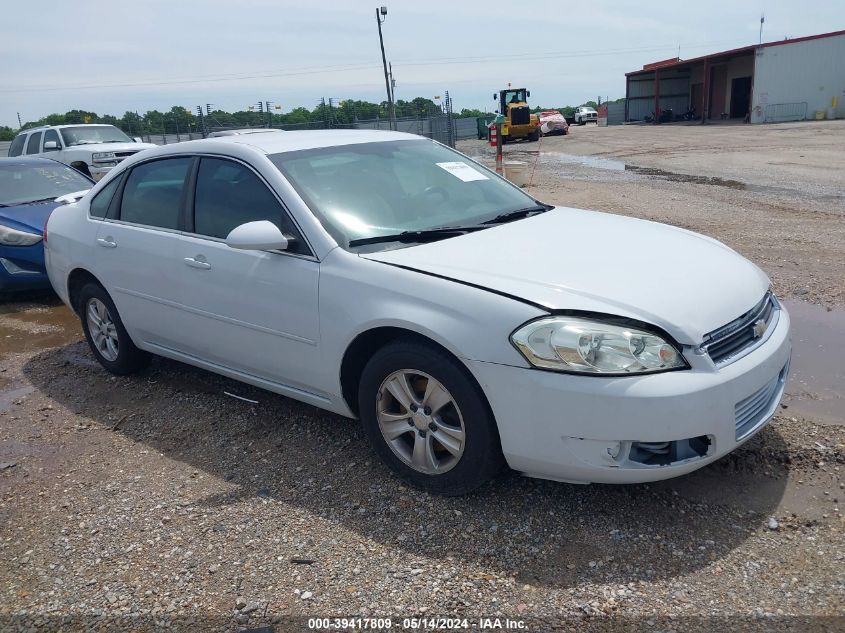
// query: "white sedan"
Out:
[386,277]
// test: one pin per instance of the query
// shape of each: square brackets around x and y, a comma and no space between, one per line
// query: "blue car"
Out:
[29,188]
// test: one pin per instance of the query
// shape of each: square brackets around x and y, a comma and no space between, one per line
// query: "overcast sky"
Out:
[109,56]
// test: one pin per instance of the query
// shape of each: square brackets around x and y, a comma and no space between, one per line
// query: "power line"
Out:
[268,74]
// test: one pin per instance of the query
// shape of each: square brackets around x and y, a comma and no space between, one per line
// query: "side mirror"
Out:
[51,146]
[261,235]
[495,97]
[138,139]
[527,93]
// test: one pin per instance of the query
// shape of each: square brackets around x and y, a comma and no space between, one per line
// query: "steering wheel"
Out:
[433,190]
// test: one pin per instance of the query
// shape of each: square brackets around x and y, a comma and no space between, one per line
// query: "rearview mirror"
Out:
[261,235]
[50,146]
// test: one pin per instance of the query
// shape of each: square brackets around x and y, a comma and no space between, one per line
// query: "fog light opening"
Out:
[667,453]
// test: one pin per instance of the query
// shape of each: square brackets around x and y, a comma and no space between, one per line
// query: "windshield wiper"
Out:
[425,235]
[519,214]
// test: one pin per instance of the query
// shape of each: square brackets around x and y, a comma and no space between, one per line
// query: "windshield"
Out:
[385,188]
[514,96]
[86,134]
[21,183]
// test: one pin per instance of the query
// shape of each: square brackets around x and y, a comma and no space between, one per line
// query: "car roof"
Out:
[27,161]
[63,125]
[245,130]
[273,143]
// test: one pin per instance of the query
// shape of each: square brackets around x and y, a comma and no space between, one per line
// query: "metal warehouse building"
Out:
[789,80]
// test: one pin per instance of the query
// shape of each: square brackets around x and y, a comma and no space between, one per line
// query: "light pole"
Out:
[381,16]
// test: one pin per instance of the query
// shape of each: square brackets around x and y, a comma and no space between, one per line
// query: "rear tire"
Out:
[437,432]
[105,333]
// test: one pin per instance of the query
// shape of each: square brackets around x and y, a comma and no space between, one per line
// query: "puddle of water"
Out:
[816,388]
[10,396]
[609,164]
[588,161]
[33,328]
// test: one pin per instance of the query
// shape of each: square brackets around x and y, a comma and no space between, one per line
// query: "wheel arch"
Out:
[76,280]
[367,343]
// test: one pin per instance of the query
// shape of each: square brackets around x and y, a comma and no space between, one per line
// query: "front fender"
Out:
[357,295]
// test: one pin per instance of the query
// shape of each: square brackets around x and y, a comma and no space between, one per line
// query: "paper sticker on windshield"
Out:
[461,170]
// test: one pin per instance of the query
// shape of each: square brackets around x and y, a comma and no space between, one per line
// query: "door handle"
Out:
[197,263]
[107,242]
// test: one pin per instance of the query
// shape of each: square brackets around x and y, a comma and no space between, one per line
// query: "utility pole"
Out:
[203,129]
[381,16]
[762,19]
[20,125]
[392,85]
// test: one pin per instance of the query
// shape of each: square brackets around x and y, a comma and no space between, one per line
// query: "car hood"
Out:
[113,147]
[28,217]
[572,259]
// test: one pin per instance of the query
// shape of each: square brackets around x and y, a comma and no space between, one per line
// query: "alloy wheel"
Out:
[420,421]
[102,329]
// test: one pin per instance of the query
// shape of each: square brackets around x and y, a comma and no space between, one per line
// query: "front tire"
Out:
[105,333]
[428,420]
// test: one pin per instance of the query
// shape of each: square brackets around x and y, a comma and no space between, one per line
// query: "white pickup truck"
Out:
[92,149]
[584,114]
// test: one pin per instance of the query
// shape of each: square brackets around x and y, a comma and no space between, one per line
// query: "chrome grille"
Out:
[742,334]
[751,412]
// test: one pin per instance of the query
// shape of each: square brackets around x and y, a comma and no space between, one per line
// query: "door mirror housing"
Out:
[261,235]
[137,139]
[50,146]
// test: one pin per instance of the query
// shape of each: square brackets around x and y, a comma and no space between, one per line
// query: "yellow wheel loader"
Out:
[519,122]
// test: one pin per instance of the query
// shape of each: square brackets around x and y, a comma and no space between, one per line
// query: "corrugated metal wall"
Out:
[616,113]
[674,93]
[812,71]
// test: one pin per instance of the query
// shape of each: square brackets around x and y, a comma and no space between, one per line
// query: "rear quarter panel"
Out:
[70,241]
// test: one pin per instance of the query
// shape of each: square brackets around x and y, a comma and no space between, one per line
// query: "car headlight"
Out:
[585,346]
[13,237]
[102,156]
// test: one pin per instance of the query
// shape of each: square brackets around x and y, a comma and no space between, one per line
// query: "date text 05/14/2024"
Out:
[417,624]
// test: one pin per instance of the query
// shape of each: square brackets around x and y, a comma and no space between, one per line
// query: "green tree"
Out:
[474,112]
[132,123]
[81,116]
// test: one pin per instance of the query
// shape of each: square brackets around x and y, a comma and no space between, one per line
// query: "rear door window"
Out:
[33,146]
[16,148]
[153,193]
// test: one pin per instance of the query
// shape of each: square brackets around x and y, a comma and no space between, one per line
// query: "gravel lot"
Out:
[158,501]
[775,193]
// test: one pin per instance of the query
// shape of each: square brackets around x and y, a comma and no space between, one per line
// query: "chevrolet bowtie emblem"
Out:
[759,328]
